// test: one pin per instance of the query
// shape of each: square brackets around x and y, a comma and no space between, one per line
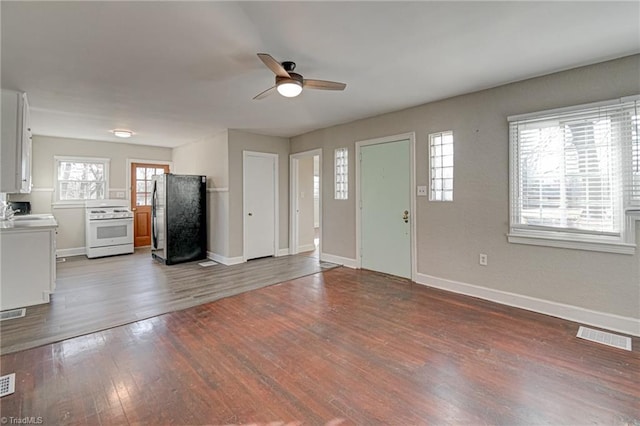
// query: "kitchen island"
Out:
[27,260]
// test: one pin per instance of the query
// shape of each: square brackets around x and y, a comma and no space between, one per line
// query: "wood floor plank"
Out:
[338,347]
[96,294]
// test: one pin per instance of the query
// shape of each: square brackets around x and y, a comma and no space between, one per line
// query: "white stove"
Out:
[103,213]
[108,228]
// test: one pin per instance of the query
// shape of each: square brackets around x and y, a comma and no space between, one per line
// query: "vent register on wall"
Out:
[178,218]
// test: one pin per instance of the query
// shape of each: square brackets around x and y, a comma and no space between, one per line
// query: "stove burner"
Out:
[98,211]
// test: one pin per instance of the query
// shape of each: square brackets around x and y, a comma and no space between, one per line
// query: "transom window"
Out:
[441,166]
[342,174]
[79,179]
[574,173]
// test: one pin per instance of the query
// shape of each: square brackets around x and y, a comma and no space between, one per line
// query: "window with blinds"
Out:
[342,174]
[574,173]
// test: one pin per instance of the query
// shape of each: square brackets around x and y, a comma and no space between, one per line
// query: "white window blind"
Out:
[342,174]
[441,170]
[575,171]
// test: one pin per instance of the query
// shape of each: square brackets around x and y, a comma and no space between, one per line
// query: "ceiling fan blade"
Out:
[323,85]
[264,94]
[273,65]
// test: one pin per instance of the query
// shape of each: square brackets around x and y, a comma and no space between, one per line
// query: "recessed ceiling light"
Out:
[122,133]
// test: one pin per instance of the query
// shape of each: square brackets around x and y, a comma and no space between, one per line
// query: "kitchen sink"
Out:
[32,217]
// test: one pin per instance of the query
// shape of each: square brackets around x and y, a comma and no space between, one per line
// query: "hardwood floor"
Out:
[96,294]
[339,347]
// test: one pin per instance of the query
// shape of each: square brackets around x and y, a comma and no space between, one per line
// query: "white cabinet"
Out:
[28,266]
[15,155]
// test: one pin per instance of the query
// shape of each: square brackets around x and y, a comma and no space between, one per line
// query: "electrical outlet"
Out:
[483,259]
[422,191]
[119,194]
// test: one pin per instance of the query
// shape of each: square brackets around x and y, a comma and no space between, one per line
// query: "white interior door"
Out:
[385,195]
[259,188]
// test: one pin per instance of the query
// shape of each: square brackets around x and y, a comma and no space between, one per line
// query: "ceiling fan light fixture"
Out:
[122,133]
[289,88]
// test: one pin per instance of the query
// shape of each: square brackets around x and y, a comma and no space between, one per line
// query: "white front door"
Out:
[259,189]
[385,196]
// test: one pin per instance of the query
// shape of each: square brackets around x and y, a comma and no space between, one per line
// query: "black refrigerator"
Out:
[179,218]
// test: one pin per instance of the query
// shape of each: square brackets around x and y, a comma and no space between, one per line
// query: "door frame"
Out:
[129,183]
[293,198]
[411,136]
[276,198]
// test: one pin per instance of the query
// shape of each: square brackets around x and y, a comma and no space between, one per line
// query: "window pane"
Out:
[441,166]
[341,166]
[140,199]
[141,186]
[79,180]
[571,169]
[140,173]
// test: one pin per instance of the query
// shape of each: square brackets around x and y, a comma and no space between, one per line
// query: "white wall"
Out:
[210,157]
[70,238]
[451,235]
[220,158]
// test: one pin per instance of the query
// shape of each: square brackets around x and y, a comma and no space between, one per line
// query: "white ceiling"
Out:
[176,72]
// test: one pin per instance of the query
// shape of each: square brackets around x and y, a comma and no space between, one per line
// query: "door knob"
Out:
[405,216]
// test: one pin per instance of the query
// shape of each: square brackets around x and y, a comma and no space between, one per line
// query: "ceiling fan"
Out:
[289,83]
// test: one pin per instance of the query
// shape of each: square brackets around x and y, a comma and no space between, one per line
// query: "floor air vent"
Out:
[605,338]
[13,313]
[7,385]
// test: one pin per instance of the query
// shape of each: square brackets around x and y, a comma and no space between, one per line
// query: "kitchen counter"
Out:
[31,221]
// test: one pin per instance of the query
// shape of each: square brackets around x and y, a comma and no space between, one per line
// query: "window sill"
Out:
[553,241]
[68,205]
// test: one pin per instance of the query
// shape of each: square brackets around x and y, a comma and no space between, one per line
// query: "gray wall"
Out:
[71,220]
[240,141]
[451,235]
[210,157]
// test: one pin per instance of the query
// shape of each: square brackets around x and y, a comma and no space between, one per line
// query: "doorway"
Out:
[141,190]
[306,203]
[260,204]
[385,229]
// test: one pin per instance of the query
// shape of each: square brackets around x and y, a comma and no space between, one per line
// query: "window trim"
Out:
[431,137]
[57,203]
[518,234]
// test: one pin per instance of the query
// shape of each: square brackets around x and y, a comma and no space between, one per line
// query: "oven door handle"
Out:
[154,216]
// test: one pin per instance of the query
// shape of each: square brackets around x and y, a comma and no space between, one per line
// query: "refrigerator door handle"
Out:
[154,216]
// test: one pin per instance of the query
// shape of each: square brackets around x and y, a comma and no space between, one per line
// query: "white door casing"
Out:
[293,197]
[260,204]
[384,191]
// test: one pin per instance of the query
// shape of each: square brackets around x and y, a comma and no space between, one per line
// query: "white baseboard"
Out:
[283,252]
[224,260]
[77,251]
[344,261]
[306,247]
[604,320]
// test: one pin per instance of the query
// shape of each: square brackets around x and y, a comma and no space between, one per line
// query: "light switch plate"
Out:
[422,191]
